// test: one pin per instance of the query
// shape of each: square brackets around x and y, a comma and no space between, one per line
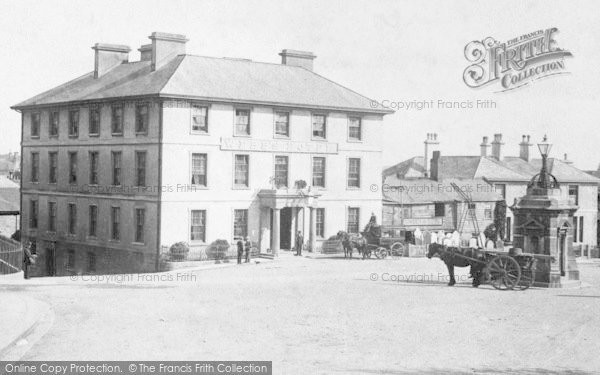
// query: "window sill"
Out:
[194,187]
[281,136]
[138,243]
[145,133]
[53,136]
[318,139]
[352,188]
[34,137]
[117,134]
[241,188]
[95,135]
[73,136]
[243,135]
[350,140]
[199,132]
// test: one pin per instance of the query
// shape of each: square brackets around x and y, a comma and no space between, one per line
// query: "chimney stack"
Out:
[303,59]
[435,165]
[497,147]
[431,143]
[108,56]
[164,48]
[567,161]
[145,52]
[525,147]
[484,147]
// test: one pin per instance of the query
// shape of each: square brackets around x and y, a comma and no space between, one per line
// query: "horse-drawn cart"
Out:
[505,270]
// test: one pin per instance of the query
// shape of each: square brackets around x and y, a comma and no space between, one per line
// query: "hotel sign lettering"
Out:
[267,145]
[437,221]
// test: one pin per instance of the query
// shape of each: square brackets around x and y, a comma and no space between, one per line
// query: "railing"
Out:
[11,256]
[200,253]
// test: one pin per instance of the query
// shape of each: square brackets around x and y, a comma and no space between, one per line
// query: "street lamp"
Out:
[544,147]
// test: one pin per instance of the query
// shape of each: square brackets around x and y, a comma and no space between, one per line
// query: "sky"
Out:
[390,51]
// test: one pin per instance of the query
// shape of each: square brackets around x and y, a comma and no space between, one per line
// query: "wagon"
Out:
[506,270]
[382,247]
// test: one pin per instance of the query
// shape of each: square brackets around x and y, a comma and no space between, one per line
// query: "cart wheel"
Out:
[397,249]
[504,272]
[527,278]
[383,253]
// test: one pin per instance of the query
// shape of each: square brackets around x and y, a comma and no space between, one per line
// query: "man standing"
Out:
[247,247]
[240,249]
[299,243]
[27,259]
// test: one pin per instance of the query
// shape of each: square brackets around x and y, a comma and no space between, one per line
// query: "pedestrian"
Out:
[247,247]
[240,249]
[299,243]
[27,259]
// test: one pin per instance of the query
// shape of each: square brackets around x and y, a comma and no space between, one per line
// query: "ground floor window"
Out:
[320,222]
[240,223]
[353,219]
[575,228]
[91,265]
[70,261]
[198,225]
[581,229]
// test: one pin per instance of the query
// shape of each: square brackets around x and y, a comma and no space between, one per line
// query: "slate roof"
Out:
[212,79]
[402,168]
[427,191]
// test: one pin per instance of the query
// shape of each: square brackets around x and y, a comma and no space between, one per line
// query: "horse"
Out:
[448,255]
[349,242]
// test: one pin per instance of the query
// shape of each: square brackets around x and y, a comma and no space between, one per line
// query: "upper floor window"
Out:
[439,209]
[33,214]
[116,168]
[94,159]
[354,129]
[91,264]
[72,167]
[199,119]
[115,219]
[199,169]
[488,212]
[242,122]
[281,171]
[241,170]
[141,118]
[51,216]
[319,126]
[198,225]
[72,218]
[53,123]
[140,214]
[318,172]
[354,172]
[282,124]
[35,167]
[35,124]
[52,167]
[501,189]
[117,119]
[93,222]
[94,121]
[574,194]
[74,123]
[140,168]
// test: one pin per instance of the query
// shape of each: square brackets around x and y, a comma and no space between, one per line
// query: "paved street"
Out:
[323,316]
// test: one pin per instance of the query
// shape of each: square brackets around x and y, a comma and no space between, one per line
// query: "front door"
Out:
[50,261]
[562,242]
[285,229]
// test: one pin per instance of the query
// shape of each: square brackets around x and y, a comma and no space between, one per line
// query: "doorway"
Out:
[285,229]
[50,261]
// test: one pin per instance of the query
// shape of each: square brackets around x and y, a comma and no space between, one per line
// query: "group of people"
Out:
[243,245]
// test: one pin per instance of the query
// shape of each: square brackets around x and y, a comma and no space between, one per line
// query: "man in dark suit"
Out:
[247,248]
[240,249]
[299,243]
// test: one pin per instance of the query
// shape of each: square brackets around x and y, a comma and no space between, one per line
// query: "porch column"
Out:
[275,236]
[313,229]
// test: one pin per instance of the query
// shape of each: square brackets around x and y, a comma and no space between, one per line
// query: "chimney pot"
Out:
[484,147]
[497,146]
[303,59]
[165,47]
[108,56]
[145,52]
[524,148]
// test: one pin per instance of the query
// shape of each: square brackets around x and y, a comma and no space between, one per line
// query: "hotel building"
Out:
[135,156]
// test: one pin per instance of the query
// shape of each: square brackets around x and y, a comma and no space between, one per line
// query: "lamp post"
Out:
[544,147]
